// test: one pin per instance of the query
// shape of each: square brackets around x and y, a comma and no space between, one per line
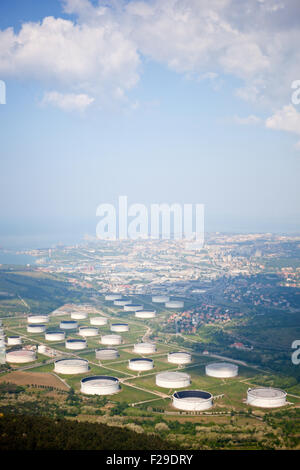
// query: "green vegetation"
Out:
[40,433]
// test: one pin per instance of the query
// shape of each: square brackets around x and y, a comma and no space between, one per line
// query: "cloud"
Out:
[286,119]
[68,101]
[83,58]
[249,120]
[100,50]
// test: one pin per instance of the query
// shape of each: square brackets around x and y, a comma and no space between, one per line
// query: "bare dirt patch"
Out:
[33,378]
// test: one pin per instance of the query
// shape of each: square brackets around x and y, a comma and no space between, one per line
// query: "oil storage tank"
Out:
[71,366]
[76,344]
[68,325]
[133,307]
[98,321]
[144,348]
[173,379]
[160,299]
[113,297]
[121,302]
[174,304]
[88,331]
[33,319]
[111,340]
[140,364]
[100,385]
[79,315]
[55,335]
[192,400]
[145,314]
[35,328]
[21,356]
[106,354]
[119,327]
[221,369]
[180,357]
[266,397]
[14,340]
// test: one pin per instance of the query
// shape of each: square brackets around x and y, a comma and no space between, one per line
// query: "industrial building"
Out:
[266,397]
[100,385]
[173,379]
[221,369]
[192,400]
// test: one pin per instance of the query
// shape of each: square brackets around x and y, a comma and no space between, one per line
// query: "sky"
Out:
[180,101]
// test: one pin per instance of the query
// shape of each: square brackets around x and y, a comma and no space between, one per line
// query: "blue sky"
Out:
[148,121]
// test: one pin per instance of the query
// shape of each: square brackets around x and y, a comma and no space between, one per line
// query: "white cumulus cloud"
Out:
[285,119]
[68,101]
[248,120]
[99,51]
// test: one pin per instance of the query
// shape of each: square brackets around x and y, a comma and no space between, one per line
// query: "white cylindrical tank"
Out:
[106,354]
[173,379]
[192,400]
[76,344]
[113,297]
[21,356]
[144,348]
[174,304]
[98,321]
[79,315]
[121,302]
[140,364]
[133,307]
[221,369]
[42,348]
[160,299]
[14,340]
[100,385]
[71,366]
[180,357]
[32,319]
[68,324]
[34,328]
[111,340]
[145,314]
[88,331]
[266,397]
[55,335]
[119,327]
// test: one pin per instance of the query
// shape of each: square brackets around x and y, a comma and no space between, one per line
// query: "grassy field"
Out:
[140,387]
